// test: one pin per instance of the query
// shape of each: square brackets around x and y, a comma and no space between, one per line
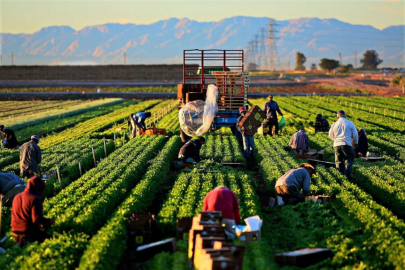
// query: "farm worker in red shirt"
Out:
[27,218]
[223,199]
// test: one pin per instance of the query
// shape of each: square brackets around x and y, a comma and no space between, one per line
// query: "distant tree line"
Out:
[370,60]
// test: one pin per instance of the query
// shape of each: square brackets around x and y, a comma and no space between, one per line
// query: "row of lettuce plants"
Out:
[97,124]
[23,121]
[107,247]
[222,149]
[61,123]
[353,209]
[95,198]
[20,108]
[120,127]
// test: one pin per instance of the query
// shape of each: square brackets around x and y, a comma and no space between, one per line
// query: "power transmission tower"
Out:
[271,42]
[263,54]
[255,50]
[250,52]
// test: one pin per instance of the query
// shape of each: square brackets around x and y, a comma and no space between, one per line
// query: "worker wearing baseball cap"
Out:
[271,109]
[247,138]
[288,186]
[30,157]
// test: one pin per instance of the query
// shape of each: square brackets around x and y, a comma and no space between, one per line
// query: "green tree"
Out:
[252,67]
[328,64]
[313,66]
[370,60]
[299,63]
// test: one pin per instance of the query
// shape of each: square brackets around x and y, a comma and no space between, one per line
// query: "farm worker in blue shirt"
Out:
[289,186]
[344,134]
[138,121]
[248,139]
[271,108]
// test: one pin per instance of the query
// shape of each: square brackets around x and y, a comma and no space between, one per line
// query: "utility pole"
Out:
[288,65]
[341,63]
[12,58]
[355,59]
[125,57]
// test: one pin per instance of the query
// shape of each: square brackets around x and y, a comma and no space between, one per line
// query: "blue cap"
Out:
[35,137]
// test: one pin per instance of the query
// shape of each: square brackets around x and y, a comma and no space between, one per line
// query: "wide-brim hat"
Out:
[307,165]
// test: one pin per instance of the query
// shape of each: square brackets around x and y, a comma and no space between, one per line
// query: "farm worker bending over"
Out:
[10,186]
[223,199]
[362,147]
[138,121]
[27,218]
[299,142]
[271,108]
[321,124]
[247,138]
[289,186]
[190,151]
[343,133]
[30,157]
[9,138]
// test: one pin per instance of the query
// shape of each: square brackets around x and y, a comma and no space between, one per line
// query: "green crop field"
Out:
[363,226]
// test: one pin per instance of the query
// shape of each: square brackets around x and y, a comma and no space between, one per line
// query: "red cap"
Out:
[242,109]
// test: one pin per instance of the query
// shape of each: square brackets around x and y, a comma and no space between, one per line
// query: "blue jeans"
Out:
[344,157]
[248,145]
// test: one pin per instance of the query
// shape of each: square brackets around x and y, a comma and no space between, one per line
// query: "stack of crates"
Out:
[232,89]
[207,249]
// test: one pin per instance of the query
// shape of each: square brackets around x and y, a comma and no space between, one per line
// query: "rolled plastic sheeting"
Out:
[196,116]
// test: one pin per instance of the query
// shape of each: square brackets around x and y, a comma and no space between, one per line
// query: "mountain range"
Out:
[162,42]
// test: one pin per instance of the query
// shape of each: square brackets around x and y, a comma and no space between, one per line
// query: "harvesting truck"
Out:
[225,69]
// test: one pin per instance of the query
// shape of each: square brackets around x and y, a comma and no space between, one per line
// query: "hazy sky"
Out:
[28,16]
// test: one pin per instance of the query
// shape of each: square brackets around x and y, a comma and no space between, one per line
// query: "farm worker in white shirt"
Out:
[343,133]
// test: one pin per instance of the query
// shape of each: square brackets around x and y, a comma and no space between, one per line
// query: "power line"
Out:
[345,43]
[345,37]
[362,31]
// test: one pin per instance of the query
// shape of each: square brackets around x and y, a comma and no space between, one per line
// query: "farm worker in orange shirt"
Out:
[223,199]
